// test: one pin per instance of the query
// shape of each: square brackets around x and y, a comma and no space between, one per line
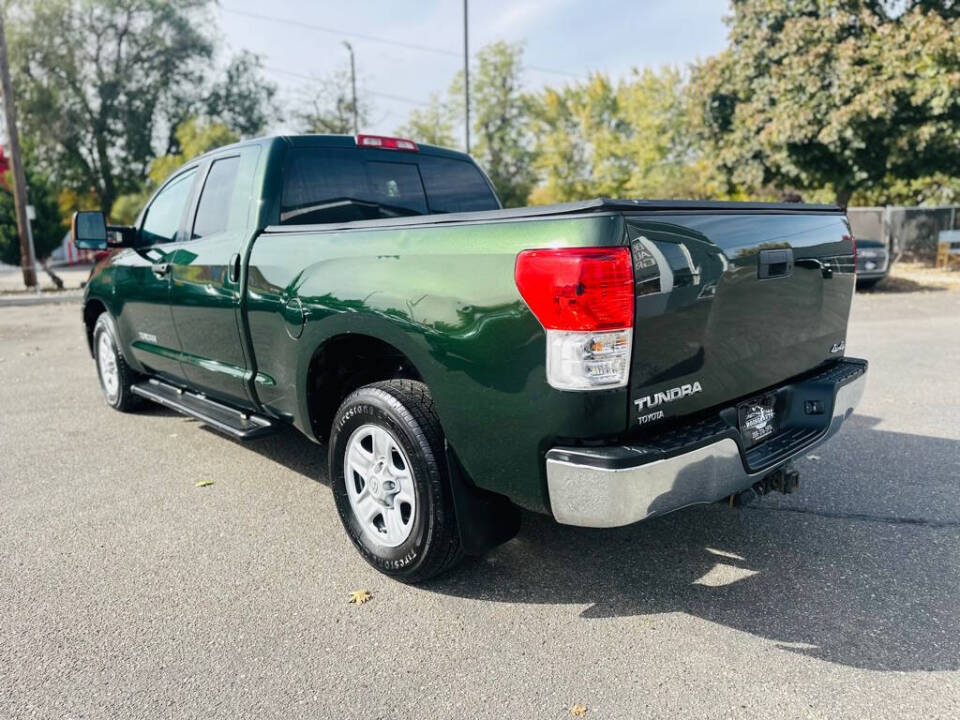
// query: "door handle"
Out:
[775,263]
[233,272]
[160,269]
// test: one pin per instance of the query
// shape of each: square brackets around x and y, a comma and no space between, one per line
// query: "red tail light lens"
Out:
[578,288]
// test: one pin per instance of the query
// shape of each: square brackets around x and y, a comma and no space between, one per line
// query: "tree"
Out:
[47,228]
[194,137]
[663,157]
[433,125]
[573,127]
[839,94]
[500,110]
[629,139]
[330,107]
[242,101]
[104,85]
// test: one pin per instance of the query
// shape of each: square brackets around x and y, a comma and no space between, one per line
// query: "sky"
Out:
[563,40]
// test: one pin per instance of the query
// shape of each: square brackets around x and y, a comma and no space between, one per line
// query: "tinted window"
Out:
[166,210]
[214,207]
[323,185]
[455,186]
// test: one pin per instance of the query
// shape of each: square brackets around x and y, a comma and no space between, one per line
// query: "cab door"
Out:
[143,279]
[205,280]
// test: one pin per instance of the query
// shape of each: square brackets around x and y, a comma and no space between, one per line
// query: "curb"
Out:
[54,298]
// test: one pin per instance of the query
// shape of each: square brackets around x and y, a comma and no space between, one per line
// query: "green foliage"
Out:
[193,137]
[499,121]
[433,125]
[937,189]
[498,111]
[48,230]
[575,129]
[100,83]
[241,100]
[846,100]
[836,94]
[625,140]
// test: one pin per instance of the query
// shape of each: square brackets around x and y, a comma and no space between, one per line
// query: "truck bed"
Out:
[597,205]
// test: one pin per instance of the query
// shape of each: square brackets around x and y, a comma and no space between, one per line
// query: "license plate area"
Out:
[757,419]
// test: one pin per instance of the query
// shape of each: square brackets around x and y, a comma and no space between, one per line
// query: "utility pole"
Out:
[466,78]
[27,258]
[353,85]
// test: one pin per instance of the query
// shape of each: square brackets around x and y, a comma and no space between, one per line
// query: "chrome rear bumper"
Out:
[609,487]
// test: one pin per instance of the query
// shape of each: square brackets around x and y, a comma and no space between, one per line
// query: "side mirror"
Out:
[88,230]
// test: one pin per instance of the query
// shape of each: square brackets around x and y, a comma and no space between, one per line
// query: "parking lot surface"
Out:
[128,591]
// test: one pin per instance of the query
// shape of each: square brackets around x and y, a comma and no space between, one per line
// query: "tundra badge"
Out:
[682,391]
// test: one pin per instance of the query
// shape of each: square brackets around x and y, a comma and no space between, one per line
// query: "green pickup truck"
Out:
[602,361]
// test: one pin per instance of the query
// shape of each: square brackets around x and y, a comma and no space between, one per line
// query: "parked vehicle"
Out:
[873,262]
[602,361]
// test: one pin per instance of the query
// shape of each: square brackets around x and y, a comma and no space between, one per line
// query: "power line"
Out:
[376,39]
[312,78]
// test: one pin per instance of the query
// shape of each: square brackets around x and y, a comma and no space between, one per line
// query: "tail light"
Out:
[584,299]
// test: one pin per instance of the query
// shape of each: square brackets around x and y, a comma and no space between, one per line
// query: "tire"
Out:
[114,374]
[867,284]
[397,508]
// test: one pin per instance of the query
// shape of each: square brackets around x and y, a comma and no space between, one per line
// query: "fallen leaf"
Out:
[578,710]
[813,457]
[204,483]
[359,597]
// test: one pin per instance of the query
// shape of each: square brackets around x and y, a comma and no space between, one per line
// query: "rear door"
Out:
[205,279]
[730,303]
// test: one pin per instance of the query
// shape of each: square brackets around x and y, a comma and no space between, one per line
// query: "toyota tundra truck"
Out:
[603,361]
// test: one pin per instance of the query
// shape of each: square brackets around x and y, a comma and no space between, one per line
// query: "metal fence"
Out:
[909,232]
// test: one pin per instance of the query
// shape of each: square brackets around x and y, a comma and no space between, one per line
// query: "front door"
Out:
[205,281]
[143,280]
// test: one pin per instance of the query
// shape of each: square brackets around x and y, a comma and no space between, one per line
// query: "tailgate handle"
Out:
[775,263]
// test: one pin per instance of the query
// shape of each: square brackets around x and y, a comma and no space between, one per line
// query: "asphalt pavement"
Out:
[127,591]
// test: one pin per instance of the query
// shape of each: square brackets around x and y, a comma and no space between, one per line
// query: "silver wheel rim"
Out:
[380,485]
[107,364]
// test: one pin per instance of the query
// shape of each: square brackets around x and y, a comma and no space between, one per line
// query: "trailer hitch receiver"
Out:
[785,479]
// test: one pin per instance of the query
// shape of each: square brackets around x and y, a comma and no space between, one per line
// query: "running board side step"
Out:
[235,423]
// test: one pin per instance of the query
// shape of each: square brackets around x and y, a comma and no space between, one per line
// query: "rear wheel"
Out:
[388,472]
[115,375]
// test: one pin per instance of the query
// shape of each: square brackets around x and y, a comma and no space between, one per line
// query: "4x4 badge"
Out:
[838,347]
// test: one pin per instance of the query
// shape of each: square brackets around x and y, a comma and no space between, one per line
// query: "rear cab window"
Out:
[333,185]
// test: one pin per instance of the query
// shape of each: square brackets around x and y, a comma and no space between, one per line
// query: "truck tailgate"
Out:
[730,303]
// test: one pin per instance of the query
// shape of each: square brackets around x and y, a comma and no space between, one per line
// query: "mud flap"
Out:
[485,519]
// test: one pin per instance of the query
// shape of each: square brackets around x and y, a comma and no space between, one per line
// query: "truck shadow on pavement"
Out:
[860,568]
